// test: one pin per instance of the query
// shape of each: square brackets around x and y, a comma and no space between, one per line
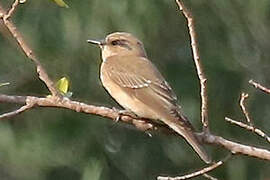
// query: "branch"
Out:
[141,124]
[197,60]
[196,173]
[12,9]
[249,128]
[243,108]
[209,177]
[25,48]
[259,86]
[238,148]
[16,112]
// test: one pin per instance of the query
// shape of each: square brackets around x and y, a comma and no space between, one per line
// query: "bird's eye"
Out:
[115,42]
[121,42]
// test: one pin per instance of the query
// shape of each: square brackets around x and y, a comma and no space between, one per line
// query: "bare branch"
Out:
[12,9]
[12,99]
[197,60]
[25,48]
[249,128]
[194,174]
[141,124]
[16,112]
[243,108]
[259,86]
[237,148]
[209,177]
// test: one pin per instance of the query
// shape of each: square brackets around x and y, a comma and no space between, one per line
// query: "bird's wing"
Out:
[141,75]
[141,79]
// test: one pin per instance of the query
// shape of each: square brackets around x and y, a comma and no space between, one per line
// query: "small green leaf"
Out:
[4,84]
[62,85]
[61,3]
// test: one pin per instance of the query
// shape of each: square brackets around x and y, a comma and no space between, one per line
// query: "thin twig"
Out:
[209,177]
[249,128]
[16,112]
[244,96]
[196,57]
[259,86]
[25,48]
[27,106]
[12,9]
[194,174]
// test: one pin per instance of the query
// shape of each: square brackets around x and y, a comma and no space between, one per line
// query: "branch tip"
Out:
[249,128]
[193,174]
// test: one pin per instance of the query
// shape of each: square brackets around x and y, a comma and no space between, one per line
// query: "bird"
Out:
[135,83]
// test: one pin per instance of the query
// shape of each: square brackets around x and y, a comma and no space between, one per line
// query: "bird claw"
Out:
[124,113]
[148,133]
[117,118]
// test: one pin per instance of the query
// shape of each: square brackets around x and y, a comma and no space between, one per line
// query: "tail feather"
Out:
[192,140]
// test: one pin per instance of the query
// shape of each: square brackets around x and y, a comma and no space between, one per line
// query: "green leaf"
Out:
[61,3]
[62,85]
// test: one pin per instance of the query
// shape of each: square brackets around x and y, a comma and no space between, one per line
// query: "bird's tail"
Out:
[190,137]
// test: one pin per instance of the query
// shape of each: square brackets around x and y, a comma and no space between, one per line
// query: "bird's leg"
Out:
[148,133]
[124,112]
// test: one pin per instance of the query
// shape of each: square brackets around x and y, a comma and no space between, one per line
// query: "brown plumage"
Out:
[136,84]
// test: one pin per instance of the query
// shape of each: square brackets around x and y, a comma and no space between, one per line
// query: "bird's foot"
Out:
[124,113]
[148,133]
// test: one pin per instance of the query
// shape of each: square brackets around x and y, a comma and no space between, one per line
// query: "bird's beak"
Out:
[96,42]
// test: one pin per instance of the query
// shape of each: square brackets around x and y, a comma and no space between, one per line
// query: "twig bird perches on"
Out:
[136,84]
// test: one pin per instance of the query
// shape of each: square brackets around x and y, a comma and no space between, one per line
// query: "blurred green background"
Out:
[53,144]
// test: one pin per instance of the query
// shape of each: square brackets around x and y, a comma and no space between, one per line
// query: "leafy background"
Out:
[50,144]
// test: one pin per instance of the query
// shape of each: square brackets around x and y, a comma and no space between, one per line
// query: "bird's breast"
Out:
[124,96]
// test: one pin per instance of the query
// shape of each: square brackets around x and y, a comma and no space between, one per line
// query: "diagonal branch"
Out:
[25,48]
[12,9]
[196,173]
[259,86]
[238,148]
[249,128]
[197,60]
[209,177]
[16,112]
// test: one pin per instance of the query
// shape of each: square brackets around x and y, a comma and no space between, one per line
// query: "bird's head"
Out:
[120,44]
